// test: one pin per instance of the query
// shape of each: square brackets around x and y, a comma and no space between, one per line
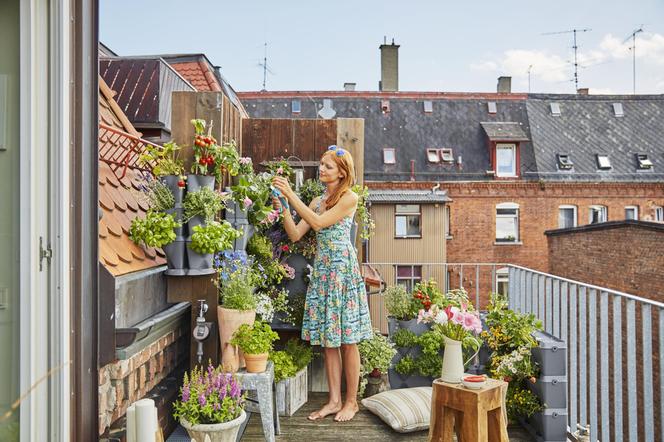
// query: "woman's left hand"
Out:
[283,185]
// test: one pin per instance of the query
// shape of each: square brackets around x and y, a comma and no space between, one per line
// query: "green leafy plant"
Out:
[159,196]
[404,338]
[376,354]
[209,397]
[520,401]
[429,365]
[213,237]
[252,193]
[508,330]
[405,366]
[164,159]
[237,292]
[254,339]
[310,190]
[431,342]
[363,213]
[281,167]
[155,230]
[301,354]
[398,302]
[284,367]
[204,202]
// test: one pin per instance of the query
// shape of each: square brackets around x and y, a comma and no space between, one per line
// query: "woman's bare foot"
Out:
[347,412]
[329,408]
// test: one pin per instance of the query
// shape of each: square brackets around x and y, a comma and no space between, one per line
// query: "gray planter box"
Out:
[401,381]
[195,182]
[549,425]
[552,391]
[551,354]
[292,393]
[176,258]
[178,192]
[247,232]
[177,215]
[199,264]
[193,222]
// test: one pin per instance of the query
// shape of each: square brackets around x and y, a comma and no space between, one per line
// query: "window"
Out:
[448,222]
[447,155]
[659,214]
[505,160]
[385,106]
[566,217]
[564,161]
[407,221]
[432,156]
[389,156]
[603,162]
[632,212]
[643,161]
[507,222]
[597,214]
[408,276]
[428,106]
[491,105]
[555,109]
[618,110]
[502,280]
[296,106]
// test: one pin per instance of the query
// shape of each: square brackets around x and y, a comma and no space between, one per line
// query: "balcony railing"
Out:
[613,384]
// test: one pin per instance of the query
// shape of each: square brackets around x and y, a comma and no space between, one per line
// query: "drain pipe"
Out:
[412,170]
[434,188]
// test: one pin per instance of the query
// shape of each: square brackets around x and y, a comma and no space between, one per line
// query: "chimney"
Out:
[583,91]
[504,85]
[389,67]
[349,86]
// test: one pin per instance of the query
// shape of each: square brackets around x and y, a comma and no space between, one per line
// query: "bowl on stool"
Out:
[474,382]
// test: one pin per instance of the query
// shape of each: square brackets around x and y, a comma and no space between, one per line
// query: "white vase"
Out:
[452,362]
[225,432]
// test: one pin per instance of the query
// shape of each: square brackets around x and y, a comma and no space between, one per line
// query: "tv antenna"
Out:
[266,68]
[576,48]
[633,49]
[530,68]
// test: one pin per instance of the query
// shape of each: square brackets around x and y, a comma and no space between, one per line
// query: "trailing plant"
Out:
[204,202]
[310,190]
[155,230]
[209,397]
[163,159]
[254,339]
[213,237]
[363,213]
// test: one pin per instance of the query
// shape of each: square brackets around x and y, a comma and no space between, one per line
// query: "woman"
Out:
[336,313]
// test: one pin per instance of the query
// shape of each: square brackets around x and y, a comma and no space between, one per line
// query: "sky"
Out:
[444,45]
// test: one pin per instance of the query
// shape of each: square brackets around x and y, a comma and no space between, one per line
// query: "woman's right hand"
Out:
[276,203]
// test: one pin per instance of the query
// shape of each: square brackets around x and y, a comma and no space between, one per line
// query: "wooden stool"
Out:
[475,415]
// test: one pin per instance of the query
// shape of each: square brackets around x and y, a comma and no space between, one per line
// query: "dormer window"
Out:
[618,110]
[432,156]
[428,106]
[603,162]
[296,106]
[564,161]
[555,109]
[447,156]
[491,105]
[505,160]
[643,161]
[385,106]
[389,156]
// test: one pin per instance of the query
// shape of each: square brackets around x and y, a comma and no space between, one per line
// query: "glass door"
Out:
[9,219]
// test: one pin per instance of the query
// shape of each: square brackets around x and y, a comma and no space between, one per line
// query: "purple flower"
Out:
[185,393]
[235,389]
[245,160]
[201,400]
[247,202]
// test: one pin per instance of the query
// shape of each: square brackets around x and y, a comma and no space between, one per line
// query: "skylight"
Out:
[385,106]
[447,155]
[644,161]
[389,156]
[564,161]
[492,107]
[618,110]
[603,162]
[296,106]
[428,106]
[555,109]
[432,156]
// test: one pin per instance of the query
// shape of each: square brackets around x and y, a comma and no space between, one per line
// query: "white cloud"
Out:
[601,91]
[649,47]
[515,62]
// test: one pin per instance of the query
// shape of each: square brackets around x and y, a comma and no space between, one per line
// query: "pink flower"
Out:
[245,160]
[348,332]
[457,316]
[280,170]
[247,202]
[468,321]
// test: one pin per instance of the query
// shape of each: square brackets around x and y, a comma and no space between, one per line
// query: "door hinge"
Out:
[44,253]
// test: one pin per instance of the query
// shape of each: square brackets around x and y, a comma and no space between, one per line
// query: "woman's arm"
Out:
[346,206]
[295,231]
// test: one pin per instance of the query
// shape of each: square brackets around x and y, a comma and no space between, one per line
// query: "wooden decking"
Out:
[364,427]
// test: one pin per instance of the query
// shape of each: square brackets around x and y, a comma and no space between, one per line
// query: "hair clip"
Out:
[338,150]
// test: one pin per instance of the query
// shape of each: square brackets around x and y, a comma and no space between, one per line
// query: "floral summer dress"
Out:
[336,310]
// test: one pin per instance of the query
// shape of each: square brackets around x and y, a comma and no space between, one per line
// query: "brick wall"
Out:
[125,381]
[625,256]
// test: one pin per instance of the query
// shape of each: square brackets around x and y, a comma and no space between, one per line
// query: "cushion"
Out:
[404,409]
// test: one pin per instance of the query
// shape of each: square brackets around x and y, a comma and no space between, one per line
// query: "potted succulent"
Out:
[290,376]
[256,342]
[210,405]
[376,354]
[236,282]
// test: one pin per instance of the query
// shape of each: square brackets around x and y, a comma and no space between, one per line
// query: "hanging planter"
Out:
[199,264]
[176,186]
[176,258]
[195,182]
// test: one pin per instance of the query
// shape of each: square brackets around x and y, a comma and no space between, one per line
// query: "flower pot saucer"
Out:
[176,272]
[199,272]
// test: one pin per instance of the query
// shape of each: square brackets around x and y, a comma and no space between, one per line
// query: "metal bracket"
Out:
[46,253]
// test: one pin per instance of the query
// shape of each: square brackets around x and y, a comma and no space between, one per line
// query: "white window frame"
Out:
[659,213]
[433,156]
[636,212]
[502,278]
[296,106]
[603,210]
[406,215]
[409,281]
[448,221]
[506,146]
[603,161]
[447,155]
[567,207]
[393,151]
[515,216]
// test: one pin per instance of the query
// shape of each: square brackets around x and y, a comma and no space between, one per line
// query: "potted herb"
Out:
[155,230]
[290,376]
[201,206]
[236,283]
[210,405]
[166,166]
[256,342]
[206,240]
[375,357]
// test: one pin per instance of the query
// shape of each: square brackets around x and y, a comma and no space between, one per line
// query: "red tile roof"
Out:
[119,191]
[199,74]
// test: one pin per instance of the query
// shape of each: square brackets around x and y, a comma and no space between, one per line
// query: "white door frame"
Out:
[44,202]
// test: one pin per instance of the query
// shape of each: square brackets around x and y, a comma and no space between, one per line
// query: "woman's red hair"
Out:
[346,168]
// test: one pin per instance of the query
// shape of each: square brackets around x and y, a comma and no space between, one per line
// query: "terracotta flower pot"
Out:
[229,321]
[256,363]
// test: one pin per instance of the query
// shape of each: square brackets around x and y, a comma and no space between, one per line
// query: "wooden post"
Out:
[350,136]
